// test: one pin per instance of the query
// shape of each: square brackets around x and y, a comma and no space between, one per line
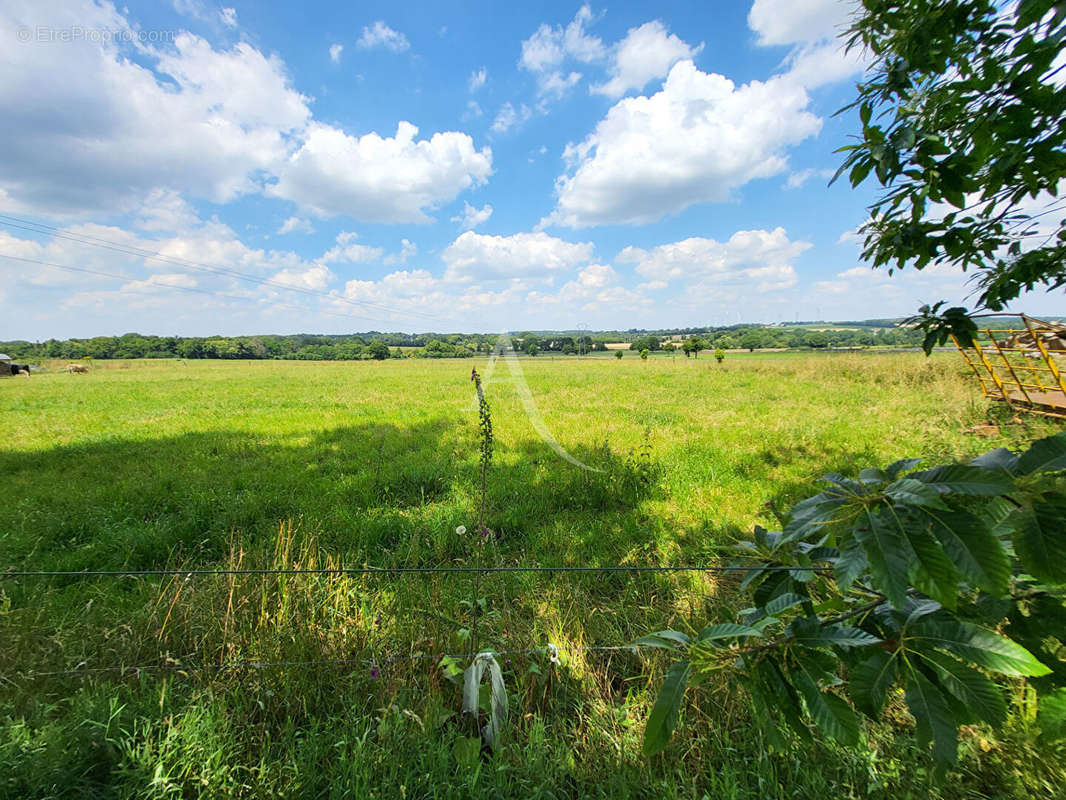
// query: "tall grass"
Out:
[297,465]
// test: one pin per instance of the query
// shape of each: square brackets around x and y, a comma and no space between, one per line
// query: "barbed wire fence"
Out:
[351,571]
[190,664]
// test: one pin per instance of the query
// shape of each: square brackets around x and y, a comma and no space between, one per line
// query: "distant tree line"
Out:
[553,342]
[380,346]
[304,347]
[759,338]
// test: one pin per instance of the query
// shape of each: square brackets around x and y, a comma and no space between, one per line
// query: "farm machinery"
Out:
[1021,366]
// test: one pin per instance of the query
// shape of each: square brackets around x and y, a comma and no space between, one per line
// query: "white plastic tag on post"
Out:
[498,709]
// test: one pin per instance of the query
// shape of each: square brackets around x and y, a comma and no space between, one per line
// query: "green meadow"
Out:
[302,465]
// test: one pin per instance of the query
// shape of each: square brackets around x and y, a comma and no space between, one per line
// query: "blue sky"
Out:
[199,168]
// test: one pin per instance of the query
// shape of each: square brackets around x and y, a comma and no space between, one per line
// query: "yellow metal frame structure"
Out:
[1026,376]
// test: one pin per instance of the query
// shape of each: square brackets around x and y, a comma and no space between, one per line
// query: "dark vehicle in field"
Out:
[9,367]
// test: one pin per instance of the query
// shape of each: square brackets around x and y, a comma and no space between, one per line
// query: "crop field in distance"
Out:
[268,464]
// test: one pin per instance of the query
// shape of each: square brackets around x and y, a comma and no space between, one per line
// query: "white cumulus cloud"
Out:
[164,210]
[335,53]
[509,117]
[763,259]
[695,141]
[545,52]
[822,63]
[347,249]
[477,79]
[476,257]
[316,277]
[646,53]
[556,84]
[594,290]
[296,225]
[790,21]
[472,217]
[187,257]
[797,179]
[86,127]
[811,27]
[381,35]
[407,250]
[161,280]
[90,125]
[376,179]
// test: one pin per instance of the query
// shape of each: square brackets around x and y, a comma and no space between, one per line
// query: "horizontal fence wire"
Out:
[180,667]
[12,574]
[251,664]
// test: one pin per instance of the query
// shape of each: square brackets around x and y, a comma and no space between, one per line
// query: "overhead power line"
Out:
[138,252]
[175,666]
[402,571]
[149,284]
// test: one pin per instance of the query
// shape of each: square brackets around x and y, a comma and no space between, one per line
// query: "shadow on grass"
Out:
[365,489]
[823,461]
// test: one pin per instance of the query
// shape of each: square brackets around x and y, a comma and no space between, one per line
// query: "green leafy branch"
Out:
[935,584]
[963,126]
[938,327]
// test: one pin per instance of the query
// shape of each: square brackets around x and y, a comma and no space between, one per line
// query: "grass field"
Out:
[297,464]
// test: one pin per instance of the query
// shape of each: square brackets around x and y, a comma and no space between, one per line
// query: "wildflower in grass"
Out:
[484,426]
[375,673]
[461,530]
[485,429]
